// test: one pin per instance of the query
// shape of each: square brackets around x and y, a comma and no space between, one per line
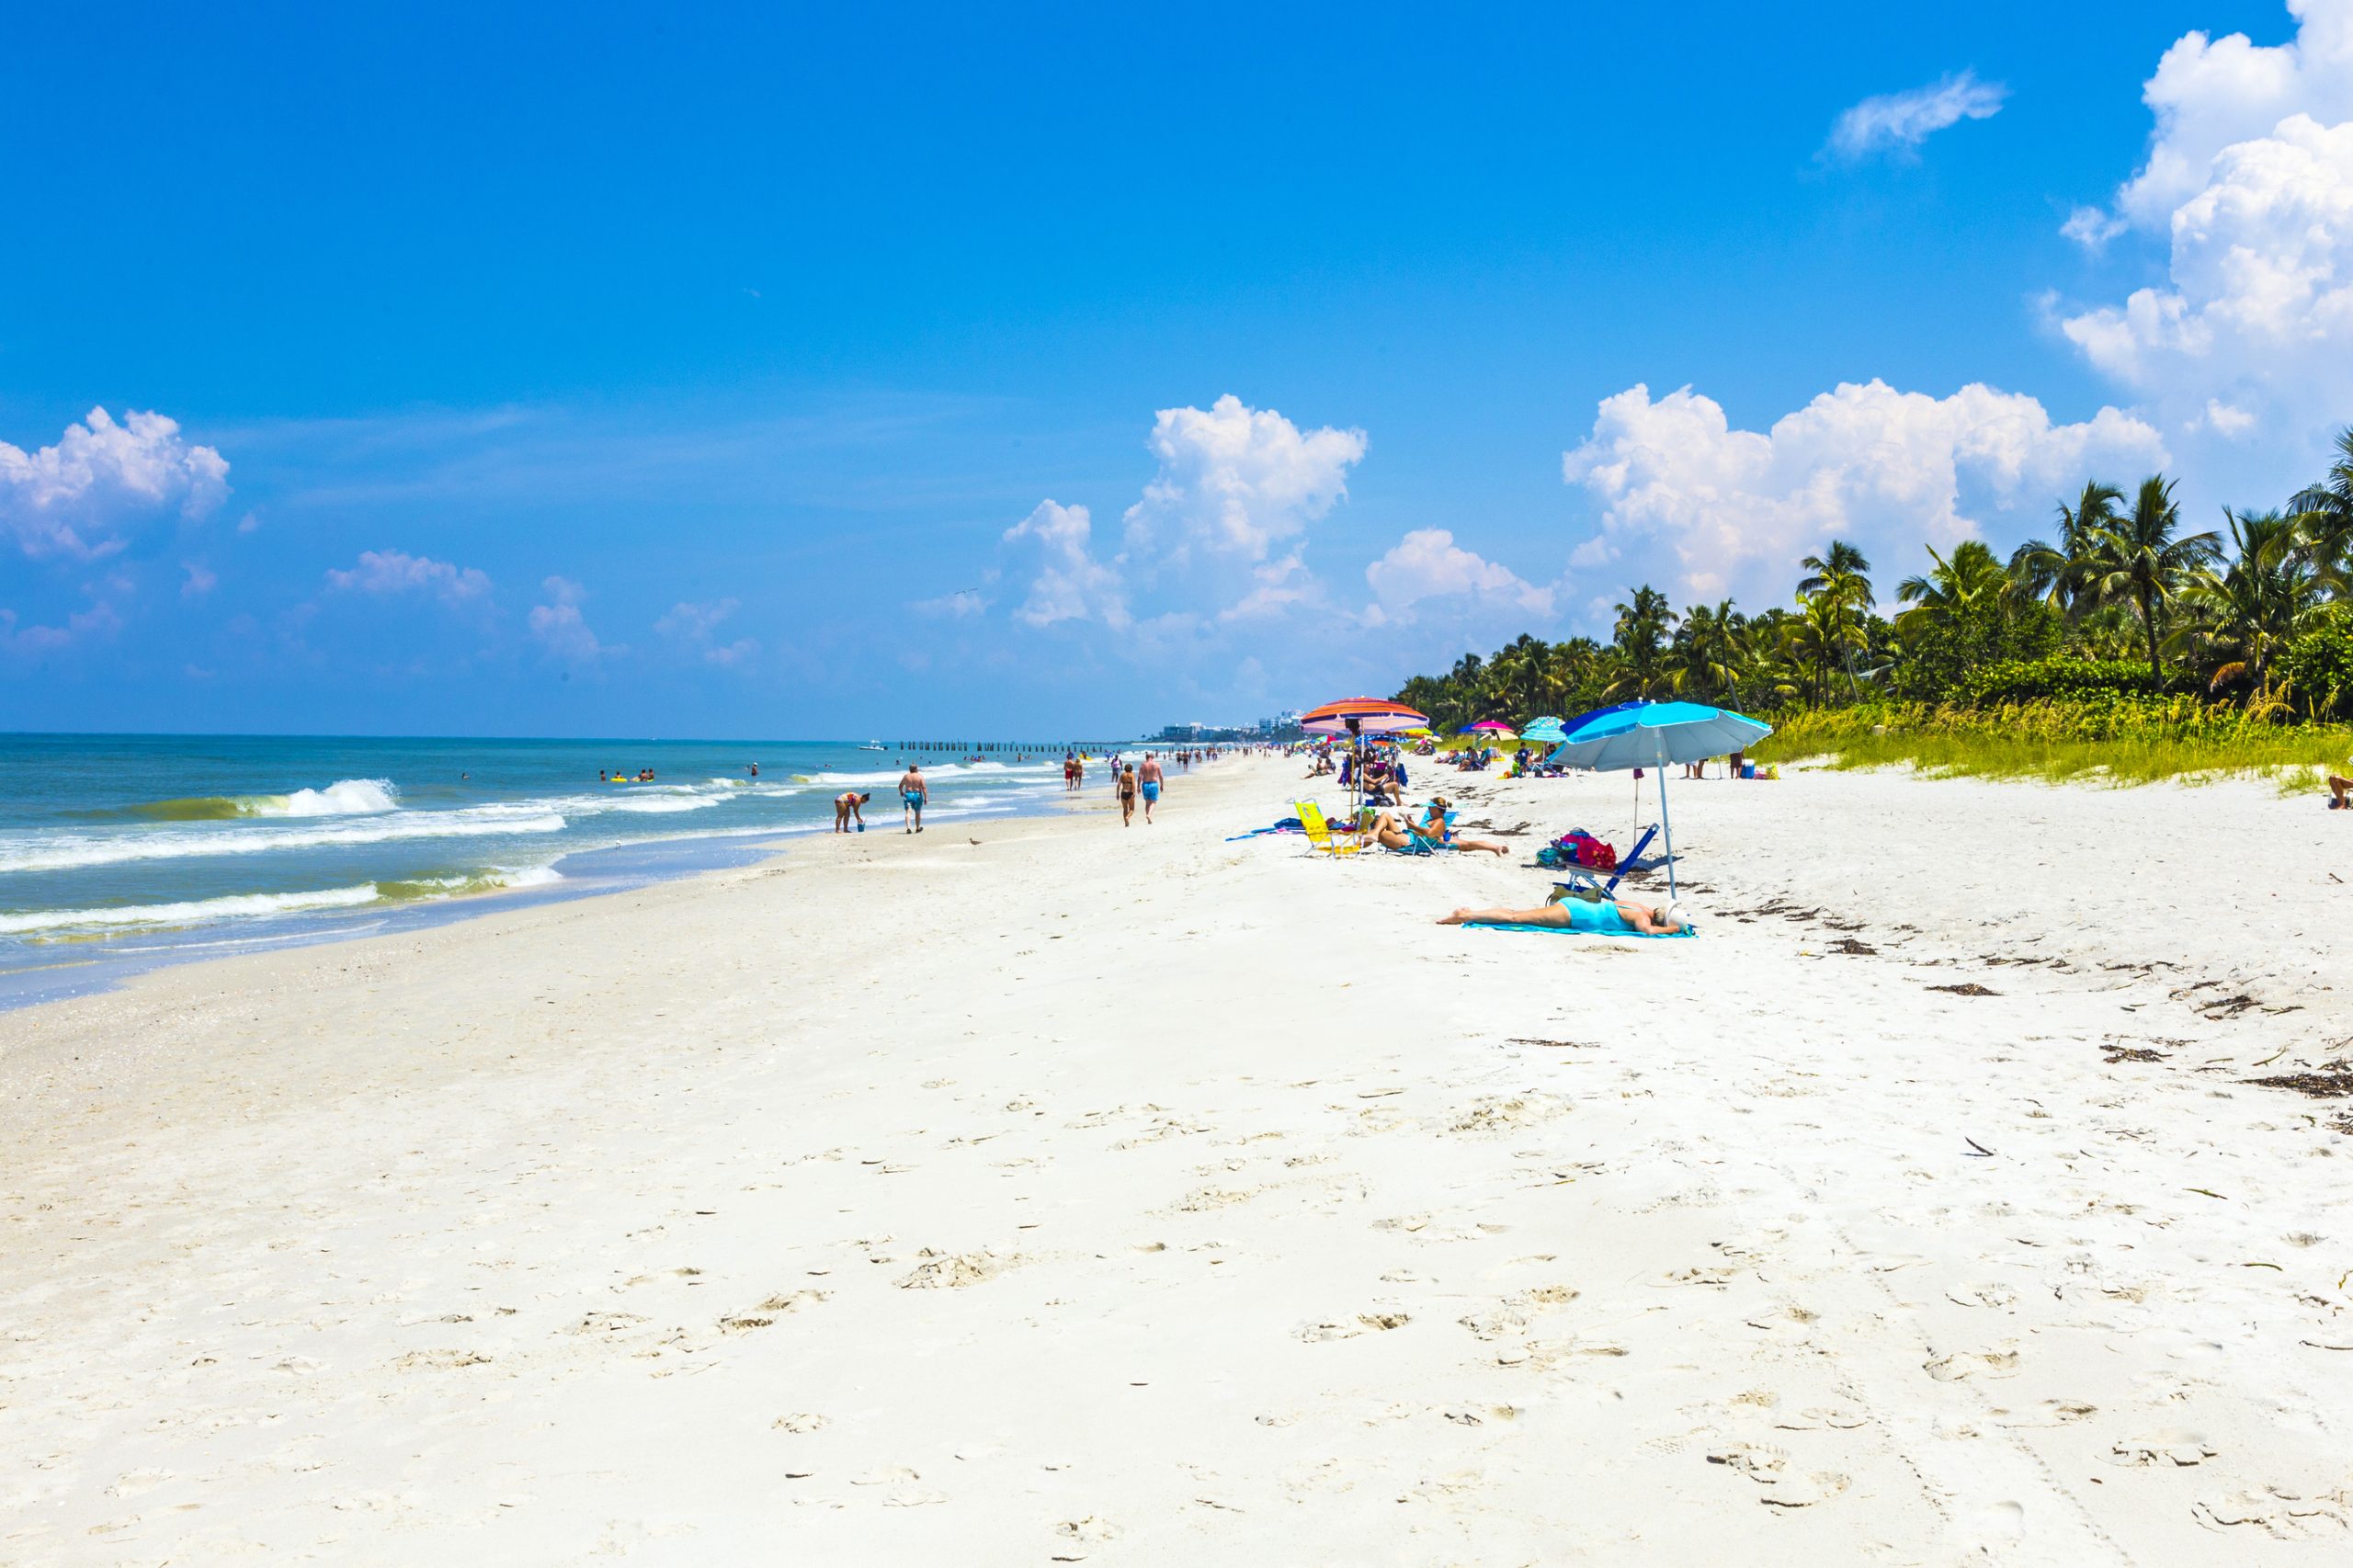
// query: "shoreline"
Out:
[1142,1197]
[683,857]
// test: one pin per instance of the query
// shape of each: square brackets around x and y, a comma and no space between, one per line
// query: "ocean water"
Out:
[119,852]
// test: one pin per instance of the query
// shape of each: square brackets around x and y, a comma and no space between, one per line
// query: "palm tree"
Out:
[1570,675]
[2248,611]
[1842,565]
[1516,675]
[1956,593]
[2324,516]
[1640,637]
[1839,583]
[2062,573]
[2141,559]
[1709,652]
[1823,635]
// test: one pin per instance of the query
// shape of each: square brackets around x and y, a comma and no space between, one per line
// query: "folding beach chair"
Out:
[1587,881]
[1319,831]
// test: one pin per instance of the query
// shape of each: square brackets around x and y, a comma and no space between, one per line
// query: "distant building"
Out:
[1285,727]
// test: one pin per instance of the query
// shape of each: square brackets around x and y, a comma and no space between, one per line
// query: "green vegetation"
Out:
[2125,647]
[2117,741]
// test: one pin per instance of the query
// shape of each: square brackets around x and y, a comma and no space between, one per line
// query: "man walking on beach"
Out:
[912,793]
[1149,776]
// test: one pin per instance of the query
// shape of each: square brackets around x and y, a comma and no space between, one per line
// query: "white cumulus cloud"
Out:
[1219,533]
[562,629]
[98,622]
[1901,121]
[1688,499]
[694,626]
[2249,179]
[81,497]
[1069,583]
[2210,93]
[397,571]
[1236,482]
[1428,564]
[1217,536]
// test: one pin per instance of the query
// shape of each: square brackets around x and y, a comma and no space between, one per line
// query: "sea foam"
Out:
[195,912]
[29,852]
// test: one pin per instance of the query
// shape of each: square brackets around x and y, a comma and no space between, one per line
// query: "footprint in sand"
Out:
[957,1272]
[799,1420]
[1499,1113]
[1517,1312]
[2166,1445]
[1961,1364]
[792,1301]
[1758,1462]
[1363,1323]
[132,1482]
[1803,1491]
[888,1475]
[2047,1413]
[1994,1295]
[439,1360]
[1815,1418]
[2281,1515]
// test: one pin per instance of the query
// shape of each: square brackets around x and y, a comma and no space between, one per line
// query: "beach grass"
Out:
[2118,744]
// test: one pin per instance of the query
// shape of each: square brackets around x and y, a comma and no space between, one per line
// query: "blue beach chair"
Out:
[1587,881]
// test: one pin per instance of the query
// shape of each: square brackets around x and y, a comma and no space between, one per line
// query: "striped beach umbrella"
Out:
[1361,716]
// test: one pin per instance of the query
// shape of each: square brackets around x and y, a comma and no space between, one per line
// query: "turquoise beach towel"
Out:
[1565,931]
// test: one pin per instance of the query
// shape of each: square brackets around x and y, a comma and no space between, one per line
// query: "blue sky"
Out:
[596,370]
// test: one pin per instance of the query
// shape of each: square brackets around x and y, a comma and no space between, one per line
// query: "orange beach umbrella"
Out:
[1361,716]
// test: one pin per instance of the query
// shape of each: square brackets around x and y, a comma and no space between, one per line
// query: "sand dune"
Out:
[1083,1194]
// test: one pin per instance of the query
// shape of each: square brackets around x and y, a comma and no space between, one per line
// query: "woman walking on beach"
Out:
[912,793]
[1127,787]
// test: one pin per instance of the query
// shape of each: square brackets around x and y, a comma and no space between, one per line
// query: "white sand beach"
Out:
[1040,1191]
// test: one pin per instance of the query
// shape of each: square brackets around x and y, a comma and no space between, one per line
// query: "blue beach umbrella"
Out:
[1581,720]
[1654,734]
[1545,729]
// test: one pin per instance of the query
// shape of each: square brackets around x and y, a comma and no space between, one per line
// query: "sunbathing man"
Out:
[1603,919]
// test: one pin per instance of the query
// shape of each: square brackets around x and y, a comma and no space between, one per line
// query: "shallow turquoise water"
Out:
[125,850]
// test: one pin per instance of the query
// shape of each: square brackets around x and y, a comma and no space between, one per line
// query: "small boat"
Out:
[871,746]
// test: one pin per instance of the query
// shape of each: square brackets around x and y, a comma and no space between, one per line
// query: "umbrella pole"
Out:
[1669,829]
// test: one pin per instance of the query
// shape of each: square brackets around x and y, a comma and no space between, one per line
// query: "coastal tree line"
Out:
[2122,607]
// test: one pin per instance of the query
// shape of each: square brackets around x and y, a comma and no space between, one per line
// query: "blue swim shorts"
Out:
[1152,791]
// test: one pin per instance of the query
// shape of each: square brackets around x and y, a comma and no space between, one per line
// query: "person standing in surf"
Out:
[913,794]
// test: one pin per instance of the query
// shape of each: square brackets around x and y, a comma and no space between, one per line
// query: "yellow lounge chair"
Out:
[1319,831]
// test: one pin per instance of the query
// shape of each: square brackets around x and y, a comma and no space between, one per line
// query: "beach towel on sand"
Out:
[1567,931]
